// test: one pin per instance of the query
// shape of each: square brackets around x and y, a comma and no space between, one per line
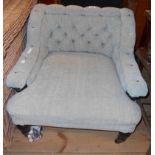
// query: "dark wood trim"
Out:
[122,137]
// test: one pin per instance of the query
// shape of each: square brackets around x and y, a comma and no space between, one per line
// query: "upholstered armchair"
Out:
[78,70]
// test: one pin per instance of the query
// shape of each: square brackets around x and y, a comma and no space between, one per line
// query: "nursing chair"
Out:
[78,70]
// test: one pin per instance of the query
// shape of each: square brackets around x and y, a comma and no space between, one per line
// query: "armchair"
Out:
[78,66]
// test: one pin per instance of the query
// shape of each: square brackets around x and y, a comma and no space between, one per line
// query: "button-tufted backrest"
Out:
[78,29]
[109,31]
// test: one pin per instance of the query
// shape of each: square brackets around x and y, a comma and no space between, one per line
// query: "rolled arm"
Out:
[123,57]
[18,76]
[130,76]
[29,63]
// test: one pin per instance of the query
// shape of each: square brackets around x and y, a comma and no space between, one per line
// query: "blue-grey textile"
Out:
[78,65]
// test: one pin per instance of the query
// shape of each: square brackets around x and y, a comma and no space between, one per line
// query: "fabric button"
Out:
[89,28]
[105,28]
[58,41]
[89,42]
[58,27]
[102,44]
[82,35]
[51,34]
[109,36]
[65,34]
[73,27]
[82,14]
[127,53]
[73,41]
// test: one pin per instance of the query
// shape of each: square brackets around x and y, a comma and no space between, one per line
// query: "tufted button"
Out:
[89,42]
[58,41]
[137,80]
[109,36]
[51,34]
[73,41]
[82,14]
[105,28]
[96,34]
[100,15]
[73,27]
[89,28]
[58,27]
[82,35]
[127,53]
[102,44]
[131,65]
[65,34]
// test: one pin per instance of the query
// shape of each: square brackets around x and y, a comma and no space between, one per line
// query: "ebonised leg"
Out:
[33,133]
[19,90]
[122,137]
[24,129]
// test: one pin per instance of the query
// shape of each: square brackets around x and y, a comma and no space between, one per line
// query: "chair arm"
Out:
[18,75]
[129,75]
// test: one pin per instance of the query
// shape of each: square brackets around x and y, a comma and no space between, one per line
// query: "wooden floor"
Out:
[56,141]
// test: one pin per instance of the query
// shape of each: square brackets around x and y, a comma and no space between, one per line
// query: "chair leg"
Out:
[24,129]
[19,90]
[33,133]
[122,137]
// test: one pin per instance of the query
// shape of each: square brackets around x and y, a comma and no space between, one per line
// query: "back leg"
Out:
[24,129]
[122,137]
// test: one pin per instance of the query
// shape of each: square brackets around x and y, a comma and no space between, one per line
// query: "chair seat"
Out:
[76,90]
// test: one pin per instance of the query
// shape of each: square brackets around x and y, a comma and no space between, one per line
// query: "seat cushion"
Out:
[76,90]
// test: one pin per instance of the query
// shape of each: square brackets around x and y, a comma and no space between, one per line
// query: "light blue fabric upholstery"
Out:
[78,65]
[18,75]
[71,90]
